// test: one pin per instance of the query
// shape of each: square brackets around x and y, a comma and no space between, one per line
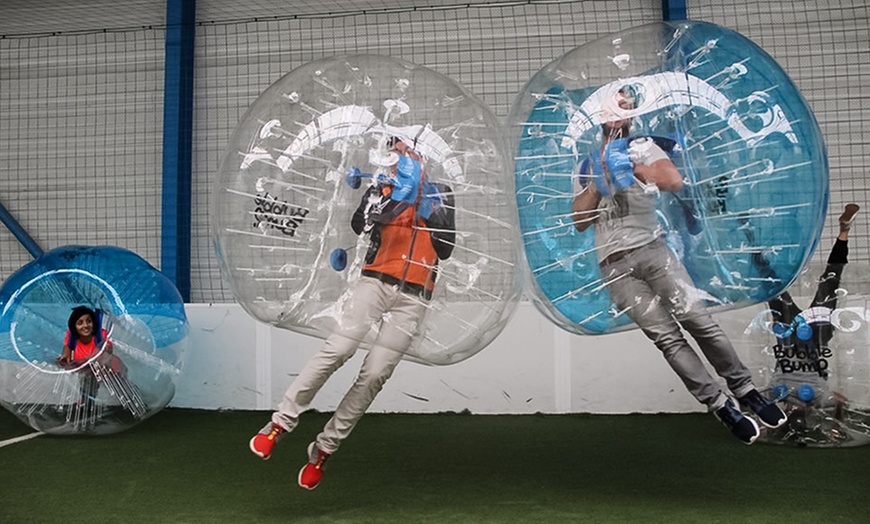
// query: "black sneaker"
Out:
[741,427]
[768,412]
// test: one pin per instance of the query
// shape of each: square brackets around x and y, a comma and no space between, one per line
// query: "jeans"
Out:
[656,292]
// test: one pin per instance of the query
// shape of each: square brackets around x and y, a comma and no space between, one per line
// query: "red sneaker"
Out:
[265,440]
[311,473]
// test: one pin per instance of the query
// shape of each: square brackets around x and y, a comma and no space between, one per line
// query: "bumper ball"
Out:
[750,152]
[296,169]
[132,373]
[809,350]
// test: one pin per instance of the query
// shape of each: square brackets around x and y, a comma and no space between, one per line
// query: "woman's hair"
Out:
[76,314]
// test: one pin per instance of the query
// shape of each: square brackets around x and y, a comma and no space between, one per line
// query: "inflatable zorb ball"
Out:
[297,167]
[144,318]
[814,360]
[749,150]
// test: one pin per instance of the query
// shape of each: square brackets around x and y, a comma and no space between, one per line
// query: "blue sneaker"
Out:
[741,427]
[768,412]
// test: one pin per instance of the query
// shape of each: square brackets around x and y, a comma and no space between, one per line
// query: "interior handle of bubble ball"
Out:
[20,233]
[354,177]
[338,258]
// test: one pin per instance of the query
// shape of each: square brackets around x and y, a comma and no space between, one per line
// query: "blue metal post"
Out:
[177,143]
[673,10]
[20,233]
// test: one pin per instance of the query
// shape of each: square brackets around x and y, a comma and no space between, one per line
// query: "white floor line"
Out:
[20,439]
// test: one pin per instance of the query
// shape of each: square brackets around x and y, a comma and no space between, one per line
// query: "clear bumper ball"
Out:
[298,164]
[816,364]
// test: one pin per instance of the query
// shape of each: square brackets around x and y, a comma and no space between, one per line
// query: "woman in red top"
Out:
[88,350]
[82,341]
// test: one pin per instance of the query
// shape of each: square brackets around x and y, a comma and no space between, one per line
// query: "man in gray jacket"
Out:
[617,189]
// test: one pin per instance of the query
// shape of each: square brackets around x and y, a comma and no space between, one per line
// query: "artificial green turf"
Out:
[189,466]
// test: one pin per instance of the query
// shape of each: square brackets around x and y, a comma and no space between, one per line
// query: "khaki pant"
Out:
[396,317]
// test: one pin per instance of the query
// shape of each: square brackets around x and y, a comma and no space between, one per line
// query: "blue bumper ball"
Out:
[141,335]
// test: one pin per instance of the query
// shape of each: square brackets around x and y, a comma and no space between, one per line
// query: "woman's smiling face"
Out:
[85,326]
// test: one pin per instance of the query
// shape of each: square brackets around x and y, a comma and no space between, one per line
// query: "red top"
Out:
[83,350]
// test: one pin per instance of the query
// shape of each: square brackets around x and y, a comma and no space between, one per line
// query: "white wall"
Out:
[236,362]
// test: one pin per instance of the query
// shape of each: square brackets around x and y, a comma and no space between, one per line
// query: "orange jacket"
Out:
[402,250]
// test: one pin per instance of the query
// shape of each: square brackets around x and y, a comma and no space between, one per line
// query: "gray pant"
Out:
[373,302]
[658,294]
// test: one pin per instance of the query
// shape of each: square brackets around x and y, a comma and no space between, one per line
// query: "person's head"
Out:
[401,147]
[613,124]
[398,145]
[82,322]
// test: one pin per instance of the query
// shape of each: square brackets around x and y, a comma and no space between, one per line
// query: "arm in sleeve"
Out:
[66,353]
[109,346]
[358,220]
[443,223]
[584,206]
[654,166]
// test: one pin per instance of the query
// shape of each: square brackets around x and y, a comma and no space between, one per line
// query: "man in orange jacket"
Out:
[410,223]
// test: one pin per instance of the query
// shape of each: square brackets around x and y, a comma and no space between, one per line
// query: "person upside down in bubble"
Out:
[617,189]
[802,350]
[410,225]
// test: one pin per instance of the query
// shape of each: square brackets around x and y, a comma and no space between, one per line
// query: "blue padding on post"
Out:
[177,143]
[673,10]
